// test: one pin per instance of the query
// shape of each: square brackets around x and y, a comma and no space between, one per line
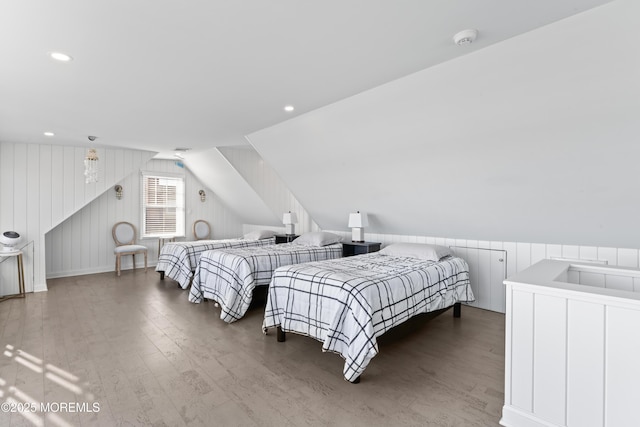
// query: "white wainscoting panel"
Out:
[490,262]
[585,393]
[521,364]
[247,228]
[622,356]
[549,337]
[572,349]
[487,271]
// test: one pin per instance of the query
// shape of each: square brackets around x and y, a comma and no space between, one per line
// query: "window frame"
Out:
[180,204]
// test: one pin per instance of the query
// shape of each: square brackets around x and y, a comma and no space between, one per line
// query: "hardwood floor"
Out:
[138,350]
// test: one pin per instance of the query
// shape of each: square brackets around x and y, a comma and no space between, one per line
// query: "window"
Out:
[162,205]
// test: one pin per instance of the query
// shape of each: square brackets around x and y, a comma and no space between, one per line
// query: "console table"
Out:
[18,256]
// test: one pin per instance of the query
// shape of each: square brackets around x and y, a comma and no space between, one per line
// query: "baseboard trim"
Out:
[514,417]
[83,272]
[40,287]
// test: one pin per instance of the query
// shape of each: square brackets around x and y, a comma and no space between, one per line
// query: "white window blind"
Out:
[163,203]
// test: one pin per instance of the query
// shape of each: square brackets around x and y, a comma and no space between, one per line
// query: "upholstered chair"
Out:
[201,229]
[124,234]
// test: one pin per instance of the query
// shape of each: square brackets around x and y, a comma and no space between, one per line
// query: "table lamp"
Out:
[290,219]
[357,222]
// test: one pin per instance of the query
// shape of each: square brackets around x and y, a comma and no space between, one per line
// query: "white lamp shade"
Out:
[289,218]
[358,220]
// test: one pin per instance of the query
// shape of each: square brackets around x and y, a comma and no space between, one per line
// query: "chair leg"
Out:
[134,261]
[118,264]
[145,261]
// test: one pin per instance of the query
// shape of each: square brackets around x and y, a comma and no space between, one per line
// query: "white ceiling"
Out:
[155,75]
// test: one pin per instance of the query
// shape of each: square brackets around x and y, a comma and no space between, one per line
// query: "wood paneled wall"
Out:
[268,185]
[82,244]
[487,271]
[42,185]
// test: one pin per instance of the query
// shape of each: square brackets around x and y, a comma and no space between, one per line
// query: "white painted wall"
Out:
[533,139]
[267,184]
[41,185]
[83,244]
[212,168]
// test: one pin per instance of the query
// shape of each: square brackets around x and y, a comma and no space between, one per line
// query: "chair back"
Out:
[201,229]
[124,233]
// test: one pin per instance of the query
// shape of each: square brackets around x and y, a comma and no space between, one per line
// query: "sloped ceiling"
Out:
[533,139]
[229,185]
[205,73]
[156,75]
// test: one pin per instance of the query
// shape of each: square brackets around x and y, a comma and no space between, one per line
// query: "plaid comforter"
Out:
[347,303]
[229,277]
[179,260]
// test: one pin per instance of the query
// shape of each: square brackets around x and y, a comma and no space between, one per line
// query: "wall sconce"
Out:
[357,222]
[203,195]
[118,189]
[290,220]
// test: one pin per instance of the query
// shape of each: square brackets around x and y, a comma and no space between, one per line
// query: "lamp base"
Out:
[290,229]
[357,235]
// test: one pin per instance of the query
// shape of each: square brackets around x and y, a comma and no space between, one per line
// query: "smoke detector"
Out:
[465,37]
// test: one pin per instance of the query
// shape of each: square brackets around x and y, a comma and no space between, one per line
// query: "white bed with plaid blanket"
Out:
[179,260]
[230,276]
[347,303]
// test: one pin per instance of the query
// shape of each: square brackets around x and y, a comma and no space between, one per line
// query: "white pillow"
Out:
[318,238]
[260,234]
[417,250]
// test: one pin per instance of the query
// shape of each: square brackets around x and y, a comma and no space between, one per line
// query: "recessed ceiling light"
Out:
[59,56]
[288,108]
[49,134]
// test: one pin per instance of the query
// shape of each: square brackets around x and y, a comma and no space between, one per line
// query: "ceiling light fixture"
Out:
[465,37]
[179,152]
[49,134]
[59,56]
[91,166]
[288,108]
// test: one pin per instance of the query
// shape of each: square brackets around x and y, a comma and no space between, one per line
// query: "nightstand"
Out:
[359,248]
[286,238]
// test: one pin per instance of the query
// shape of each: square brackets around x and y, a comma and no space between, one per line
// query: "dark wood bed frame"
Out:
[282,337]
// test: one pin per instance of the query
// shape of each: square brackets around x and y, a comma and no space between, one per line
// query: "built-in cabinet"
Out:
[572,346]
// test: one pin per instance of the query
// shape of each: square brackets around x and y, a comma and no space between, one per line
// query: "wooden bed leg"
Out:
[280,334]
[356,381]
[162,275]
[457,308]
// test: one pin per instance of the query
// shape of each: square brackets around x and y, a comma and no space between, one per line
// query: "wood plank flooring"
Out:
[135,347]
